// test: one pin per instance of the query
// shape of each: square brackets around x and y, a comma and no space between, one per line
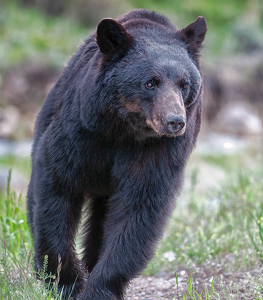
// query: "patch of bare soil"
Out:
[227,285]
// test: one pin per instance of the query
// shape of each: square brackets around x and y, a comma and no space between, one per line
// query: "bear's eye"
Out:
[184,85]
[150,84]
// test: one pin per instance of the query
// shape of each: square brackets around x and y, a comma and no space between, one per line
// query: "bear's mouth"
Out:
[163,132]
[150,132]
[139,124]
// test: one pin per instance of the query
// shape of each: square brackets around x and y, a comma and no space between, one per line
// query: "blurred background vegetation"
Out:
[38,37]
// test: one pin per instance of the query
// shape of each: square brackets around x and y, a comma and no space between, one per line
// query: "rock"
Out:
[22,149]
[239,119]
[26,86]
[160,274]
[169,255]
[9,121]
[213,143]
[231,80]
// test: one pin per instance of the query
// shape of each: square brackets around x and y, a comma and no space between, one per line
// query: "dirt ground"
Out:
[227,285]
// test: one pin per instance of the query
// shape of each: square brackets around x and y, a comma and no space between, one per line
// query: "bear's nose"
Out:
[175,123]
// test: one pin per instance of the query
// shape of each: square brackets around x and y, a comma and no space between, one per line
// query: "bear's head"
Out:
[153,71]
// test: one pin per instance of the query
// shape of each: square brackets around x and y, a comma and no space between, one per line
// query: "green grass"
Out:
[26,34]
[13,222]
[226,220]
[207,227]
[18,279]
[207,294]
[21,164]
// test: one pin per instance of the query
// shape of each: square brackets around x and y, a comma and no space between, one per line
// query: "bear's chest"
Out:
[98,172]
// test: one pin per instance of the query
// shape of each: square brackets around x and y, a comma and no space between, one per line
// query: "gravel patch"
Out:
[227,285]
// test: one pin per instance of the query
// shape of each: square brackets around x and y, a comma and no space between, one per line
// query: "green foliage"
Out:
[26,34]
[14,229]
[217,13]
[223,17]
[256,234]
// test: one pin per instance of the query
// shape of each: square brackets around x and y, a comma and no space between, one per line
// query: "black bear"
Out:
[111,142]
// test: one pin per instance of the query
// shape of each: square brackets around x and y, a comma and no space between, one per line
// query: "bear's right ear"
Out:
[194,33]
[112,37]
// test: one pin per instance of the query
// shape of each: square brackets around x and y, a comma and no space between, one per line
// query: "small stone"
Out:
[182,273]
[160,274]
[255,272]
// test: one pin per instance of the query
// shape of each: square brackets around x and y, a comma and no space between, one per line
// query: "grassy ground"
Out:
[204,228]
[226,219]
[21,164]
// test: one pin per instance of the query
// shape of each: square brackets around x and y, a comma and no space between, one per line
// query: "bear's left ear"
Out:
[194,33]
[112,37]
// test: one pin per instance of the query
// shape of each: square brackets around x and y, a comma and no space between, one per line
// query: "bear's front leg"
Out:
[55,218]
[135,220]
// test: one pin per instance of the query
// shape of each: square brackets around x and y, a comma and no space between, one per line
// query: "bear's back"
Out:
[142,15]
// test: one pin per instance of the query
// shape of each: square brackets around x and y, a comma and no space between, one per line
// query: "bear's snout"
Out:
[174,124]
